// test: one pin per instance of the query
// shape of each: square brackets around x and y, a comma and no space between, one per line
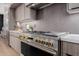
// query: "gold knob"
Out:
[46,43]
[52,44]
[49,44]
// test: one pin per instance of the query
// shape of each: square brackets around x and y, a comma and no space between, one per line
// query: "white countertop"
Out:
[14,31]
[71,38]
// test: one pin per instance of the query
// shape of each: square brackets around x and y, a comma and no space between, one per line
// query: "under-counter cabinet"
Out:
[15,44]
[69,49]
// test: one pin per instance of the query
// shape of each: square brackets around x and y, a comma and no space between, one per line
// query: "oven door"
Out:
[28,50]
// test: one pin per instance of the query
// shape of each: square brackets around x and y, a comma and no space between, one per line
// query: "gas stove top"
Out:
[51,34]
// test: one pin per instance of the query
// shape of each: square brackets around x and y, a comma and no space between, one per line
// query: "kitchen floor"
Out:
[5,50]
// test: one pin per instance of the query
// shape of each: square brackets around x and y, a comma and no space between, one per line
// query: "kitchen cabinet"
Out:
[70,49]
[19,12]
[15,43]
[72,8]
[23,13]
[29,14]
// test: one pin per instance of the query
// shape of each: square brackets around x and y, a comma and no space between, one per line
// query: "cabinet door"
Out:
[70,49]
[12,42]
[20,12]
[27,13]
[72,8]
[64,47]
[15,43]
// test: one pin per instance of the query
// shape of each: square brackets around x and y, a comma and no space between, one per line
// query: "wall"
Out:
[4,9]
[55,18]
[12,21]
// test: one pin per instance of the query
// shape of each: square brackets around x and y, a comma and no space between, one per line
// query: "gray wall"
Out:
[55,18]
[12,20]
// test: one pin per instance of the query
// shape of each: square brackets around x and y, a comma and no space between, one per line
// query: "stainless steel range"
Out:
[46,42]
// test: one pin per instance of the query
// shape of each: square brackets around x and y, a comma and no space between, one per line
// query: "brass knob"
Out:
[52,44]
[39,41]
[46,43]
[49,44]
[36,40]
[43,42]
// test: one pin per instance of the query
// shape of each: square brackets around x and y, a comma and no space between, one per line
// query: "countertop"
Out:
[74,38]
